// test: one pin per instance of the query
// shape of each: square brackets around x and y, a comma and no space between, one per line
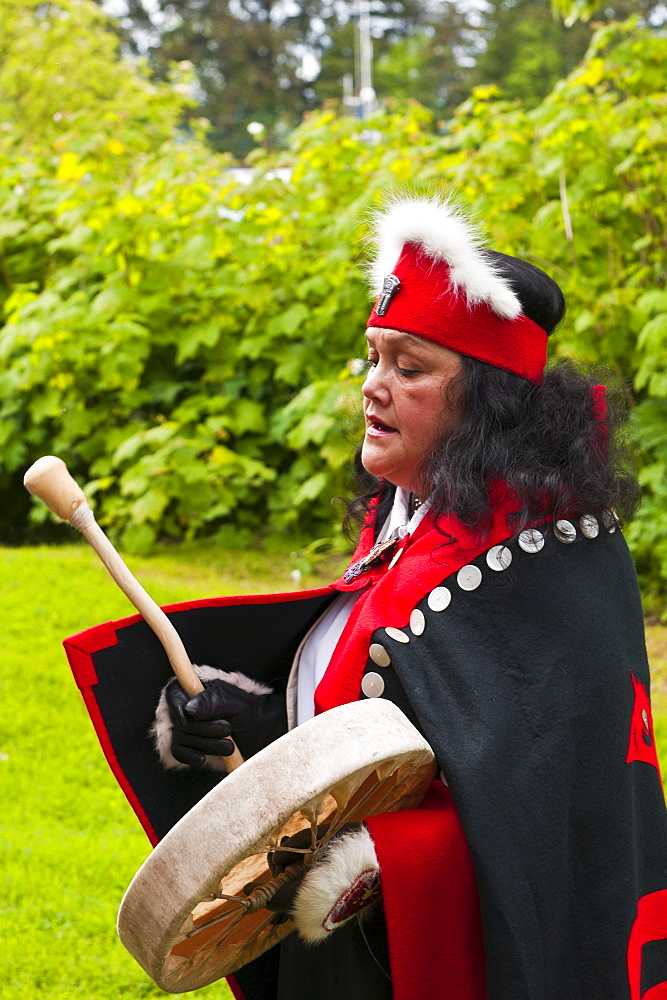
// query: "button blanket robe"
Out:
[539,870]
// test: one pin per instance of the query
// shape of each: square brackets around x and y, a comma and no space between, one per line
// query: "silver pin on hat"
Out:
[390,286]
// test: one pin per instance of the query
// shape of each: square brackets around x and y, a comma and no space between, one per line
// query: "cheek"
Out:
[424,416]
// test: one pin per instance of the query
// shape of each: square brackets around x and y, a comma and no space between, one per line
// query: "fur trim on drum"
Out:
[339,885]
[161,728]
[446,236]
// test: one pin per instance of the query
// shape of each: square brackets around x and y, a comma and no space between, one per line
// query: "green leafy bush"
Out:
[185,342]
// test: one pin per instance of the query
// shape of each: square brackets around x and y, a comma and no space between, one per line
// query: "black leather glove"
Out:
[201,725]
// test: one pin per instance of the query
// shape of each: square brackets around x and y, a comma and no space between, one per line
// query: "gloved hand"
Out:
[201,725]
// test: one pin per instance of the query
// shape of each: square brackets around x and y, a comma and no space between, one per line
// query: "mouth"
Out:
[377,428]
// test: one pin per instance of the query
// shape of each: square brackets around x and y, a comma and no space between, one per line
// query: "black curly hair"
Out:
[548,442]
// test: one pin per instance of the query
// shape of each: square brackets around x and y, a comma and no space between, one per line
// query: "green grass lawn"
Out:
[70,842]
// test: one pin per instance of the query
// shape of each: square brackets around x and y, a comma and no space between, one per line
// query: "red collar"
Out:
[392,591]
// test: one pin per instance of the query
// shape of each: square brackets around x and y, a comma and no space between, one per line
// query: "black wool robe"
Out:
[531,684]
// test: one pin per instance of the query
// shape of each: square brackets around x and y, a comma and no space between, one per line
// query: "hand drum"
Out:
[185,917]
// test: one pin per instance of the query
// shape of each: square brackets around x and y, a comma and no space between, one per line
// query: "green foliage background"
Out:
[186,342]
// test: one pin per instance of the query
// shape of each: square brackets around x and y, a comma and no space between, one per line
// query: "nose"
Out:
[375,385]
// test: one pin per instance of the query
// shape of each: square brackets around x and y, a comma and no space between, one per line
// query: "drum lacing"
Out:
[264,893]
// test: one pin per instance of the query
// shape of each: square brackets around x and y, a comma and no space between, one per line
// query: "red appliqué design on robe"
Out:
[642,739]
[650,925]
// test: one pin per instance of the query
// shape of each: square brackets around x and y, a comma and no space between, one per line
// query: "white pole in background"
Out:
[366,92]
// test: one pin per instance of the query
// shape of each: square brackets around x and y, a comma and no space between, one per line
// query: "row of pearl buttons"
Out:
[469,577]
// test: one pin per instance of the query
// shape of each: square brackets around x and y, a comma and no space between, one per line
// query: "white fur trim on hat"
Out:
[350,864]
[162,728]
[446,235]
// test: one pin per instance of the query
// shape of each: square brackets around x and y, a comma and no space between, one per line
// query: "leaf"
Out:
[310,489]
[12,227]
[73,240]
[313,429]
[149,507]
[110,301]
[584,321]
[45,405]
[317,286]
[653,335]
[138,539]
[197,251]
[129,448]
[288,322]
[247,415]
[653,302]
[293,362]
[196,336]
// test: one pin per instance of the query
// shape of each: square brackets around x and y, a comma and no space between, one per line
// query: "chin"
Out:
[381,471]
[381,463]
[373,463]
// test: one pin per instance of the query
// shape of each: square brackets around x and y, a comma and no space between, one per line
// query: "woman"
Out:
[493,599]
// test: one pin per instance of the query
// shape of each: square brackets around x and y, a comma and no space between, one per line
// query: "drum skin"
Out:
[349,763]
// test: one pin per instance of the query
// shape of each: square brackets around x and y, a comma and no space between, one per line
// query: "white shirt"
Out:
[314,654]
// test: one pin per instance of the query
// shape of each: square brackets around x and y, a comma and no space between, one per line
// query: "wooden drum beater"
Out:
[49,480]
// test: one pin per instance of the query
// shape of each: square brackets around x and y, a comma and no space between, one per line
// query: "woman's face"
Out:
[406,404]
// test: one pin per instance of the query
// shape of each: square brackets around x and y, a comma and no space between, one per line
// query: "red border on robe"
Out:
[650,925]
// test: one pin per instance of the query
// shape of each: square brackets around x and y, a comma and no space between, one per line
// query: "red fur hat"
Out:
[434,280]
